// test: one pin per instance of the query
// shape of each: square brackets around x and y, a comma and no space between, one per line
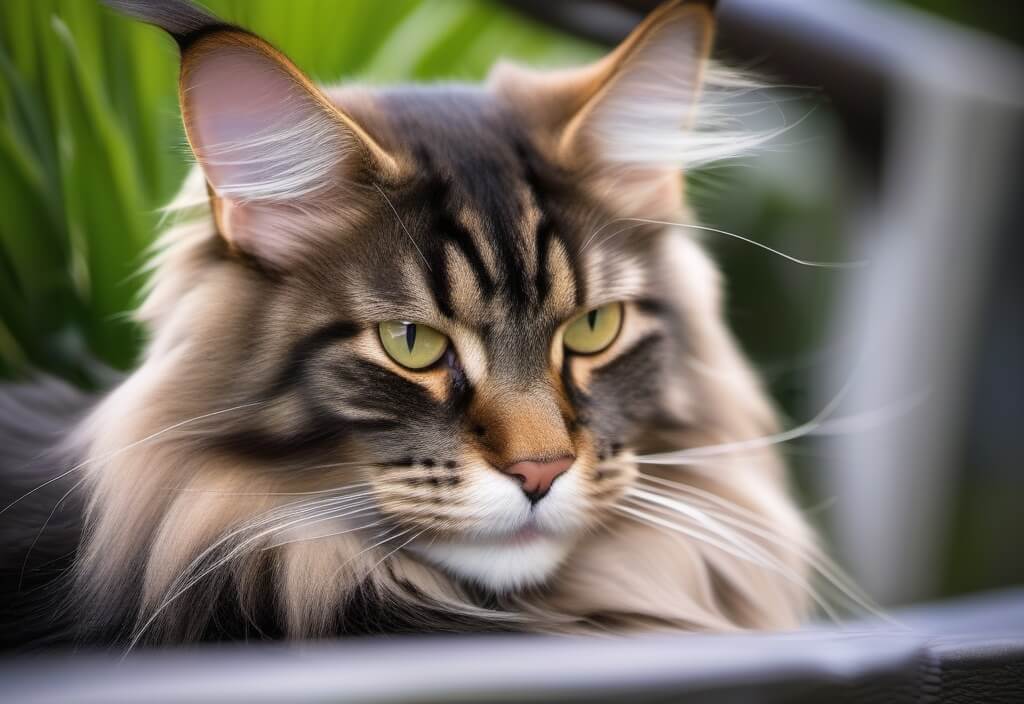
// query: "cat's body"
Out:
[269,470]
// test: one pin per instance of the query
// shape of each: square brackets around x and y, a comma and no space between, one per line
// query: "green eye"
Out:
[412,345]
[594,330]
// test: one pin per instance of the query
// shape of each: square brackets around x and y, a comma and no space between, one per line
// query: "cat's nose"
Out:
[537,476]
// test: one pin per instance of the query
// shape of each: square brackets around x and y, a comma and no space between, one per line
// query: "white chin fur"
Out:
[500,566]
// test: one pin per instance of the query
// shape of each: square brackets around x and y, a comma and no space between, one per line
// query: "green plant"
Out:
[91,143]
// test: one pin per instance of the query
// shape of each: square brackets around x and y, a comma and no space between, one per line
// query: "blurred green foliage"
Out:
[91,143]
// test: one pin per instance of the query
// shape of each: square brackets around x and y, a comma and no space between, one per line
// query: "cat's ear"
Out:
[276,153]
[626,119]
[280,160]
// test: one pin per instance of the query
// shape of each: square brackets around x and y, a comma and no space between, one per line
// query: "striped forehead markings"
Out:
[498,216]
[446,229]
[496,207]
[542,186]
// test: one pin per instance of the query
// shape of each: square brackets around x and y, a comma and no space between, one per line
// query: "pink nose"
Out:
[537,476]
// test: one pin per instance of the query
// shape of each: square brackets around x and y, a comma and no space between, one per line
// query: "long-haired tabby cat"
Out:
[406,353]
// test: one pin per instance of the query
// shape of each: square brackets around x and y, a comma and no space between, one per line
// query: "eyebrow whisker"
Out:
[402,223]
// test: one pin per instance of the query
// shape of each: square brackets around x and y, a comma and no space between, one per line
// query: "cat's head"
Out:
[460,304]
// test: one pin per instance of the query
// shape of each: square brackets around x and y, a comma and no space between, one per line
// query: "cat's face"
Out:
[486,344]
[451,298]
[407,357]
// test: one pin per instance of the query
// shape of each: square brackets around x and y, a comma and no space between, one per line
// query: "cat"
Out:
[407,350]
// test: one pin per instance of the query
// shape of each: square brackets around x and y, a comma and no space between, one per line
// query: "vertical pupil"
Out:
[592,319]
[410,335]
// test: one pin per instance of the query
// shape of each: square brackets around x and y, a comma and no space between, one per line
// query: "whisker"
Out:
[819,425]
[704,228]
[680,456]
[374,545]
[819,561]
[756,522]
[400,222]
[749,551]
[378,562]
[308,514]
[328,535]
[238,549]
[117,452]
[35,541]
[363,505]
[216,492]
[690,533]
[587,243]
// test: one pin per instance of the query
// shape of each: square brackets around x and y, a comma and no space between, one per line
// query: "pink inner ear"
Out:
[257,132]
[275,232]
[270,148]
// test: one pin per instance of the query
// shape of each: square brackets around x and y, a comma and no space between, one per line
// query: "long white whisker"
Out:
[117,452]
[216,492]
[402,223]
[747,552]
[751,552]
[705,228]
[690,533]
[308,513]
[378,562]
[587,243]
[694,455]
[209,550]
[819,425]
[833,575]
[748,520]
[299,510]
[355,508]
[35,541]
[321,536]
[372,546]
[681,456]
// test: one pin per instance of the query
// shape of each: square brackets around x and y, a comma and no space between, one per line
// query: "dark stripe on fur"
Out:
[632,380]
[433,194]
[306,349]
[184,21]
[545,184]
[437,276]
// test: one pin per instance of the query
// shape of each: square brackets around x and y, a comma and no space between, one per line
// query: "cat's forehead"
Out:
[457,126]
[490,229]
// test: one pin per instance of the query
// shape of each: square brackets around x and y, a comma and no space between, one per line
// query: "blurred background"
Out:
[902,150]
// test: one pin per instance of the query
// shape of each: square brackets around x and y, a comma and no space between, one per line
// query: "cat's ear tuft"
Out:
[276,153]
[647,89]
[626,120]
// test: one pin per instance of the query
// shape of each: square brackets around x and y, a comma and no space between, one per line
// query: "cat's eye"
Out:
[593,331]
[413,345]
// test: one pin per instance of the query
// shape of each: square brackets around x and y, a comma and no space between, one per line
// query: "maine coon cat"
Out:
[408,348]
